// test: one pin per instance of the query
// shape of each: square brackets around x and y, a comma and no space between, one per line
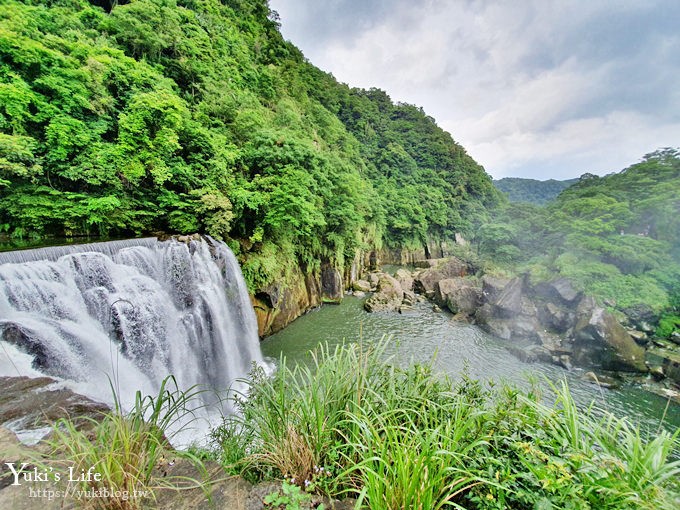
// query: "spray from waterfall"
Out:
[132,312]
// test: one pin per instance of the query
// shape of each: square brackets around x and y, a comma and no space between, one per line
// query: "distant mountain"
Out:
[532,190]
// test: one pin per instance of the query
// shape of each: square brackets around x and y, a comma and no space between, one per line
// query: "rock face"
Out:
[388,297]
[599,340]
[279,304]
[567,326]
[331,285]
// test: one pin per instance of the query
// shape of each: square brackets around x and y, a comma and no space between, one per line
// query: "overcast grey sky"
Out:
[531,88]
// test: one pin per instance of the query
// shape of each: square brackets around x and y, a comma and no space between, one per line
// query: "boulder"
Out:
[555,318]
[492,287]
[460,295]
[509,300]
[373,279]
[559,290]
[600,341]
[388,297]
[405,279]
[424,281]
[409,298]
[361,286]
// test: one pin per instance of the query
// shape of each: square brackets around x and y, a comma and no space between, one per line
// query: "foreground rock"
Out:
[29,406]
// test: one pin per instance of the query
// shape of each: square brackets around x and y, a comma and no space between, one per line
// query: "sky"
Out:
[545,89]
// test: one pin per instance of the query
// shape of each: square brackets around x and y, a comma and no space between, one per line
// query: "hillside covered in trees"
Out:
[617,237]
[532,191]
[133,117]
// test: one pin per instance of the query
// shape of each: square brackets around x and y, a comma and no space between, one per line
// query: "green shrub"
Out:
[403,438]
[126,448]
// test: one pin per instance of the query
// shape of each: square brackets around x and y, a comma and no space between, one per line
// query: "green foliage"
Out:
[668,324]
[126,448]
[403,438]
[198,116]
[290,497]
[532,191]
[616,237]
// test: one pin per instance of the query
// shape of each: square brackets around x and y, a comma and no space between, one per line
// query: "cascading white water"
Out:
[133,311]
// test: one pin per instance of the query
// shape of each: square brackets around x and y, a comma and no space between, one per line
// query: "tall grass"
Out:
[352,423]
[123,448]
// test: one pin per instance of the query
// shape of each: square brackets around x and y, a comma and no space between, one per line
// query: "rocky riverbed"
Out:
[549,320]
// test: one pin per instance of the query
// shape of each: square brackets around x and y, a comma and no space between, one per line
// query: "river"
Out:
[421,335]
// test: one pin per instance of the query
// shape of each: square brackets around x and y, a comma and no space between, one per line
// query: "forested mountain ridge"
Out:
[531,191]
[125,118]
[617,237]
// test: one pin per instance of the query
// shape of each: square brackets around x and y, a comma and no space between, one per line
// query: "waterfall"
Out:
[129,311]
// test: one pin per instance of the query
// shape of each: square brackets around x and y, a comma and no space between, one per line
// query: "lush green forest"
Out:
[617,236]
[129,118]
[532,191]
[124,118]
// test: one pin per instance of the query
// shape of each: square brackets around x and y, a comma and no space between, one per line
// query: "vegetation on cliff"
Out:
[125,118]
[617,237]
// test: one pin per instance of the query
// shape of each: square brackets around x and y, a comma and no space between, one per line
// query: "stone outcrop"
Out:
[460,295]
[332,289]
[557,317]
[28,405]
[281,303]
[388,297]
[424,281]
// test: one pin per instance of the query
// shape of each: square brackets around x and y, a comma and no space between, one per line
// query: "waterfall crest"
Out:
[133,311]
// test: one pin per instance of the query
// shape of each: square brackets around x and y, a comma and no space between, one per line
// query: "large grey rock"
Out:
[459,295]
[556,318]
[405,279]
[492,287]
[600,341]
[424,281]
[509,300]
[559,290]
[388,297]
[361,286]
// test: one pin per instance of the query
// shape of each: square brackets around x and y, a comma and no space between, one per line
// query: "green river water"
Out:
[421,335]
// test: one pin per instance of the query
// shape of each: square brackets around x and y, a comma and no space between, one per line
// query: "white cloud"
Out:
[558,86]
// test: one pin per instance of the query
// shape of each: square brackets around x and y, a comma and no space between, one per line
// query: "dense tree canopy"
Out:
[617,236]
[123,118]
[532,191]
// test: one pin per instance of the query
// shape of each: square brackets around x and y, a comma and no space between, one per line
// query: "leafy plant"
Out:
[125,448]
